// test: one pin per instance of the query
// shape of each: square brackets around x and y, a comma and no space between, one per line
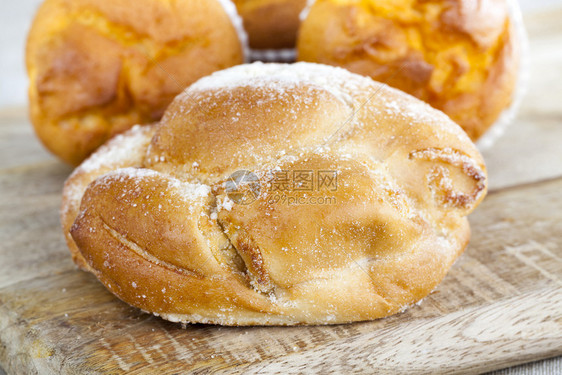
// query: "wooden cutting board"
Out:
[500,305]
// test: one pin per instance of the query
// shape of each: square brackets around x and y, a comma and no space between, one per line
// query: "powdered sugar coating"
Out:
[191,192]
[125,148]
[121,147]
[341,83]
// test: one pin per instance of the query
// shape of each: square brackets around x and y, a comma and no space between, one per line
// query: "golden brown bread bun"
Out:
[460,56]
[153,215]
[271,24]
[98,67]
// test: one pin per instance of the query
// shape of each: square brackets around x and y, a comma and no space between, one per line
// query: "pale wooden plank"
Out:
[18,144]
[31,242]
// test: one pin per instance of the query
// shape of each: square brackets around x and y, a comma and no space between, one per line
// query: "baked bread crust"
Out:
[271,24]
[96,68]
[150,215]
[461,57]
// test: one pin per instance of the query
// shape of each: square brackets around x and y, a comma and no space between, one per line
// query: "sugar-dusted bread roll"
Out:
[277,194]
[460,56]
[97,67]
[271,24]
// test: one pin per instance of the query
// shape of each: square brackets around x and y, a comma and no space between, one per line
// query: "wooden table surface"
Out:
[500,305]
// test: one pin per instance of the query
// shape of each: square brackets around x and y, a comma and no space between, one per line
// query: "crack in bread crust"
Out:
[250,253]
[134,247]
[439,179]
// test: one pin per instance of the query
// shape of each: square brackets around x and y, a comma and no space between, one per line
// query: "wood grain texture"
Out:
[500,305]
